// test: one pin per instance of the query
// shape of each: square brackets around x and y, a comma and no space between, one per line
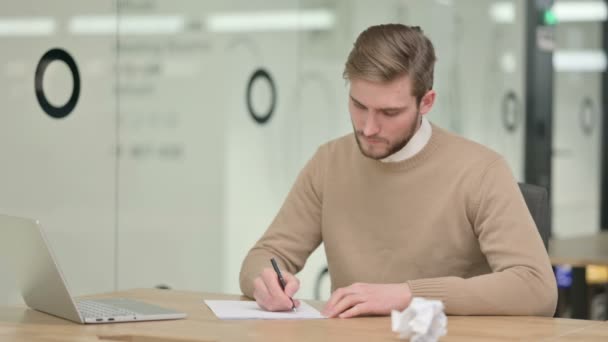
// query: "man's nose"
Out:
[371,127]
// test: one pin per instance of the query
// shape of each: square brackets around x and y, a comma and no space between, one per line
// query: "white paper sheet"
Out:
[234,309]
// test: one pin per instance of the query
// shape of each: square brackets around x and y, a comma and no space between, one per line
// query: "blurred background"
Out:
[156,140]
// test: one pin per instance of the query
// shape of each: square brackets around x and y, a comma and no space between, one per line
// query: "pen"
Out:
[281,280]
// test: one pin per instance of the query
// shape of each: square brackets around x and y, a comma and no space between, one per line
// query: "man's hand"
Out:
[268,293]
[367,299]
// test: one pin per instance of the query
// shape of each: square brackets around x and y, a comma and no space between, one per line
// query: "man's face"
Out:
[385,116]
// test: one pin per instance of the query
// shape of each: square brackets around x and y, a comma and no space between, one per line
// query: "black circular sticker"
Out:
[261,74]
[52,55]
[510,111]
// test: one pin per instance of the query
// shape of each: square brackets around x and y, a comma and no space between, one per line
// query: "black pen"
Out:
[281,280]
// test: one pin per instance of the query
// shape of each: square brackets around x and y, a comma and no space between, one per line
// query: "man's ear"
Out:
[427,101]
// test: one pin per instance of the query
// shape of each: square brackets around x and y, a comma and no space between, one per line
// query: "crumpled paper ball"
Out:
[422,321]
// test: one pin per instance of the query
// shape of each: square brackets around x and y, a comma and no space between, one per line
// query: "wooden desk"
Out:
[580,252]
[594,333]
[22,324]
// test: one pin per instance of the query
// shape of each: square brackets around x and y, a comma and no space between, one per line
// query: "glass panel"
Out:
[171,161]
[259,164]
[487,76]
[200,179]
[60,171]
[577,128]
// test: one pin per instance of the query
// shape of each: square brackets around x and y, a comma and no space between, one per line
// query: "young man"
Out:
[404,208]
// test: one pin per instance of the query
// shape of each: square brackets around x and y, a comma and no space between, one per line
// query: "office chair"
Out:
[537,200]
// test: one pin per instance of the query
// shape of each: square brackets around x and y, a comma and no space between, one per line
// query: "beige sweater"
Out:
[450,221]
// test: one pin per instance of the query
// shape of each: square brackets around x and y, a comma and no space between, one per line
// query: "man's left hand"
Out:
[362,299]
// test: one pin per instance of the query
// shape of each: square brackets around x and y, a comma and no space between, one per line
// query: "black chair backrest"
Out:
[537,200]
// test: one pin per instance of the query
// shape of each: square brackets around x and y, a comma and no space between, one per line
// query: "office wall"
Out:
[261,158]
[160,176]
[60,171]
[171,165]
[488,75]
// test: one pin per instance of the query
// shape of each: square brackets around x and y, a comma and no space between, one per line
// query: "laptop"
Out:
[25,250]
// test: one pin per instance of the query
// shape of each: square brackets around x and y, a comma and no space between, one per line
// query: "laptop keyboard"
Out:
[89,308]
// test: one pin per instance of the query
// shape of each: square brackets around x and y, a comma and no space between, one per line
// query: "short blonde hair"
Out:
[382,53]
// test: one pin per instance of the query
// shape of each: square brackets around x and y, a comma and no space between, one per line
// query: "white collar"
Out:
[415,145]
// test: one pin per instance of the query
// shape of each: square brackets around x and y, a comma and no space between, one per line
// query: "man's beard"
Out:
[393,148]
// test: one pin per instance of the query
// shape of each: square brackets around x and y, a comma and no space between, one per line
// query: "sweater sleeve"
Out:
[294,233]
[522,280]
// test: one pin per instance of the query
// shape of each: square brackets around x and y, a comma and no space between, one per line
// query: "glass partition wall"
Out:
[579,63]
[192,119]
[58,135]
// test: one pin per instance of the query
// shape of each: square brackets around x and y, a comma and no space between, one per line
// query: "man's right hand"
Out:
[268,293]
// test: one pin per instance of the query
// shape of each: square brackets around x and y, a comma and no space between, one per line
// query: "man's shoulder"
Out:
[466,148]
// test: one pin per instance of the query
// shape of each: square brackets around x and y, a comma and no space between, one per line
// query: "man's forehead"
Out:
[393,94]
